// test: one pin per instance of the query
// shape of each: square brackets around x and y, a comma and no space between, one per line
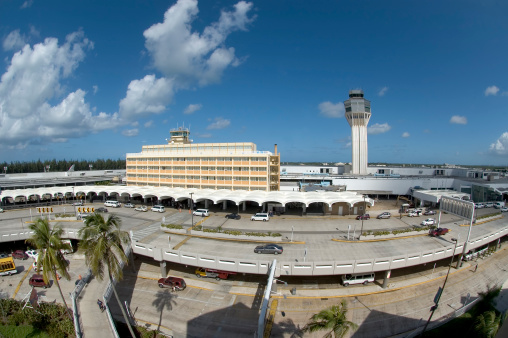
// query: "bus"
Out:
[7,266]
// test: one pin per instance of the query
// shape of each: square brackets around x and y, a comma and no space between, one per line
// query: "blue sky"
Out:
[99,79]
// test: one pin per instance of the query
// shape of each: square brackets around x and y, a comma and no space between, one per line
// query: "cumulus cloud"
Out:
[329,109]
[95,89]
[207,135]
[500,147]
[148,124]
[192,56]
[377,128]
[456,119]
[382,91]
[33,80]
[191,108]
[130,132]
[14,41]
[405,134]
[27,4]
[219,123]
[492,90]
[146,96]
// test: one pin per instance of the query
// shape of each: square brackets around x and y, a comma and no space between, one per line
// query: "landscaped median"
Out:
[218,233]
[386,235]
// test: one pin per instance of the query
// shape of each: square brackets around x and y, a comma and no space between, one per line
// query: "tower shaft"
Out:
[358,116]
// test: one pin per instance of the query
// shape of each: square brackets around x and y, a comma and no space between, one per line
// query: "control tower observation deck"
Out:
[358,116]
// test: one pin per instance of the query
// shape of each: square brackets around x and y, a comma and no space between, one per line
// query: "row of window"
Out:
[249,147]
[197,186]
[205,178]
[198,159]
[165,168]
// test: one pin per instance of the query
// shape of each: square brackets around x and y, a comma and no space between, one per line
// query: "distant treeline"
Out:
[62,165]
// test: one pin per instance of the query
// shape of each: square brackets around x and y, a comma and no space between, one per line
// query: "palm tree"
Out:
[487,324]
[50,259]
[333,319]
[101,241]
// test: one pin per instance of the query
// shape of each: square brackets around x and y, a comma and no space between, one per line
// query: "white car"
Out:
[428,221]
[201,212]
[504,209]
[1,210]
[158,208]
[128,205]
[260,216]
[141,208]
[413,214]
[78,203]
[32,254]
[489,205]
[479,205]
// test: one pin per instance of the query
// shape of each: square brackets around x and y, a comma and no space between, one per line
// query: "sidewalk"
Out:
[94,323]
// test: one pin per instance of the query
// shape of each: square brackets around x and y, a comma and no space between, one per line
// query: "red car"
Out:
[438,231]
[364,216]
[19,254]
[172,282]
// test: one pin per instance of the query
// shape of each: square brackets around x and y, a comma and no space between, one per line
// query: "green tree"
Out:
[101,242]
[49,243]
[333,320]
[487,324]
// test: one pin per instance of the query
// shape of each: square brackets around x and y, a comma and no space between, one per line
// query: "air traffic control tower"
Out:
[358,116]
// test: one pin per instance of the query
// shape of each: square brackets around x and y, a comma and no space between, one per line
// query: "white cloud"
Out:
[191,108]
[27,3]
[500,147]
[492,90]
[208,135]
[405,134]
[456,119]
[383,91]
[219,123]
[148,124]
[32,81]
[146,96]
[95,89]
[130,132]
[329,109]
[377,128]
[14,41]
[190,56]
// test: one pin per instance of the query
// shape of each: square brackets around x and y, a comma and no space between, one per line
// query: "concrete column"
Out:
[206,204]
[144,200]
[164,270]
[244,206]
[224,205]
[304,208]
[386,278]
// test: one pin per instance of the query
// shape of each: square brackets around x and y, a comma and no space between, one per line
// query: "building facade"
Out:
[183,164]
[358,116]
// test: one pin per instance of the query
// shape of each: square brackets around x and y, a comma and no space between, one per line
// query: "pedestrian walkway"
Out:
[94,322]
[149,230]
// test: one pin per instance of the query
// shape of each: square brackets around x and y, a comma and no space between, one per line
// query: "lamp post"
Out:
[292,229]
[361,231]
[192,209]
[440,292]
[5,170]
[90,166]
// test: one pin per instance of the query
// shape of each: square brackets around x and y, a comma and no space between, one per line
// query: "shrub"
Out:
[233,232]
[172,226]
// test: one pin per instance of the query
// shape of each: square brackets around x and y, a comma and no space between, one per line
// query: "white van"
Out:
[260,216]
[158,208]
[201,212]
[357,278]
[112,204]
[498,205]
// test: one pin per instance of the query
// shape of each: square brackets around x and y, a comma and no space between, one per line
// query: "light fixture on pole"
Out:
[192,209]
[441,290]
[363,216]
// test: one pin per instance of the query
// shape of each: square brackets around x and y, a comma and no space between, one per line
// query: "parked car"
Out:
[129,205]
[212,273]
[479,205]
[158,208]
[504,209]
[101,209]
[3,255]
[428,221]
[429,212]
[32,254]
[172,282]
[384,215]
[413,214]
[1,210]
[201,212]
[38,281]
[233,216]
[269,249]
[78,203]
[83,215]
[364,216]
[141,208]
[438,231]
[489,205]
[19,254]
[260,216]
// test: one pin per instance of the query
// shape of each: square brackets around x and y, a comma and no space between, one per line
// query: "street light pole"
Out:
[292,228]
[442,289]
[192,209]
[361,231]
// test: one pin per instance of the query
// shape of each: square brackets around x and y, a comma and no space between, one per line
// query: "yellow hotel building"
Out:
[182,164]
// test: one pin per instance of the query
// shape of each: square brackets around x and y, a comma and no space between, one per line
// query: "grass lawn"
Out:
[22,331]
